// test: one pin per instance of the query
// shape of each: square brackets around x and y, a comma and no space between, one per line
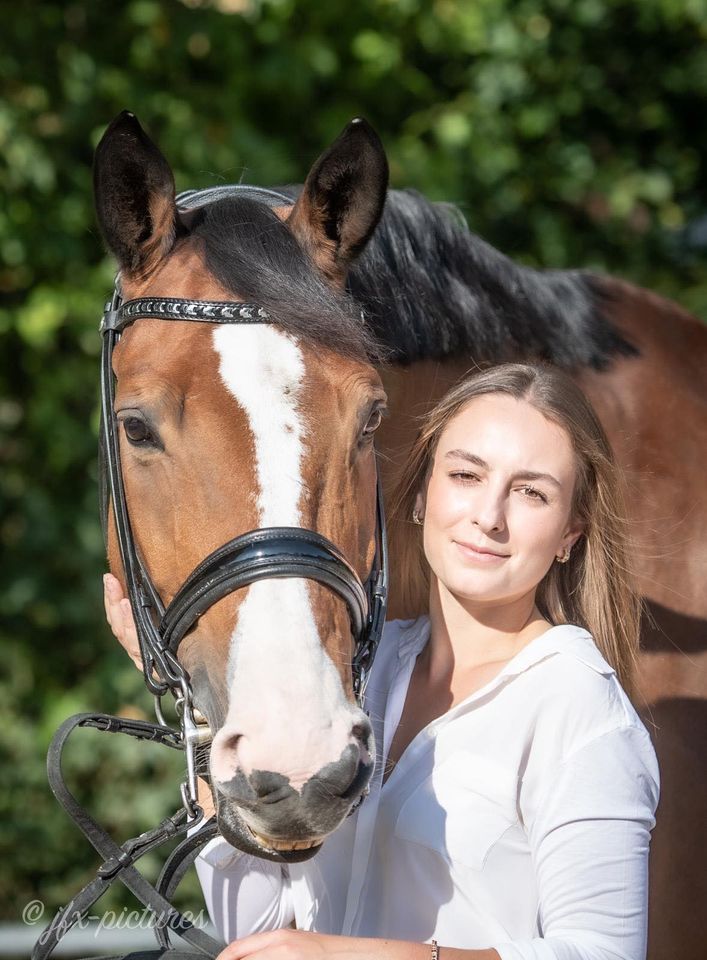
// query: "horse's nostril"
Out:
[357,785]
[223,761]
[270,787]
[230,743]
[345,779]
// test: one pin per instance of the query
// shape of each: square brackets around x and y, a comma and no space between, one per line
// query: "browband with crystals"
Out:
[173,308]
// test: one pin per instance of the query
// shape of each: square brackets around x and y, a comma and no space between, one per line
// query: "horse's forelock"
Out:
[253,254]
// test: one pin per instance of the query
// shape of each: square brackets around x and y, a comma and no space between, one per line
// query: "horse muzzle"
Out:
[263,814]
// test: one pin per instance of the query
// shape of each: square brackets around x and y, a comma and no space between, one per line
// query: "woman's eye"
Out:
[136,430]
[464,476]
[374,421]
[533,494]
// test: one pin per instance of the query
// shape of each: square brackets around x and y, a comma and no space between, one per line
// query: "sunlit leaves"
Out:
[570,132]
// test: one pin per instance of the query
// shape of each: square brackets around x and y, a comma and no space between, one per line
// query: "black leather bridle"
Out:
[260,554]
[269,552]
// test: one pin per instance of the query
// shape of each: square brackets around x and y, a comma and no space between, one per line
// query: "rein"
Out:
[264,553]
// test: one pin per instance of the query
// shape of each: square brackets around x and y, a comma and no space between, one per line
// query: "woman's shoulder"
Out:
[576,693]
[562,653]
[578,717]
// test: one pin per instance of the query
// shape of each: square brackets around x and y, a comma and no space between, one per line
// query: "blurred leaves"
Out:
[569,131]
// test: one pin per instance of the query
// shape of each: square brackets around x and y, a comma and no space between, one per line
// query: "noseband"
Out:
[265,553]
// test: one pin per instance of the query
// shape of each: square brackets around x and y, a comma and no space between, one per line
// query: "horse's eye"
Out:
[136,430]
[374,421]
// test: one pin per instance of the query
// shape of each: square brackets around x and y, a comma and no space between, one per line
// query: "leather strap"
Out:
[174,308]
[118,859]
[176,867]
[266,553]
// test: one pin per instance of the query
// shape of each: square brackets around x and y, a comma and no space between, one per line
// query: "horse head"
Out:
[226,429]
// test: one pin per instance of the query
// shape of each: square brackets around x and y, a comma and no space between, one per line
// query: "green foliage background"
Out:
[570,132]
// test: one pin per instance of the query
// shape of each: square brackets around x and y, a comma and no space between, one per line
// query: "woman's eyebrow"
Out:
[531,475]
[459,454]
[465,455]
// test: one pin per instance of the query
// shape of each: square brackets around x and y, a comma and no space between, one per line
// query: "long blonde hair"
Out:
[594,589]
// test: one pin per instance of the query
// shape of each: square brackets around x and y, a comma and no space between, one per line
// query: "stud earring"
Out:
[565,556]
[416,518]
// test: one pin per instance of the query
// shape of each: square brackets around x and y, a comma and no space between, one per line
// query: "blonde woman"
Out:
[510,814]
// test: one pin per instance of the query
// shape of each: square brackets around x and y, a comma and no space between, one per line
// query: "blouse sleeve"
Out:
[243,894]
[589,833]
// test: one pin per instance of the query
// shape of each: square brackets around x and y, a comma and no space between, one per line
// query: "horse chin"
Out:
[236,831]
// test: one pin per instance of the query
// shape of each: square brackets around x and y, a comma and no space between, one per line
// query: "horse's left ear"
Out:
[342,200]
[134,196]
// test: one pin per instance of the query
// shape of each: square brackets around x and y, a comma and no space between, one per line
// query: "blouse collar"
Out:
[565,638]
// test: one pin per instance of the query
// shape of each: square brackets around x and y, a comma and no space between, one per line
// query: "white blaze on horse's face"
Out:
[287,709]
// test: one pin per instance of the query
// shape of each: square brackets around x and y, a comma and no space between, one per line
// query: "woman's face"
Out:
[497,510]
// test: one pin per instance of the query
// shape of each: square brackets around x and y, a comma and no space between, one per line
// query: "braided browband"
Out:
[173,308]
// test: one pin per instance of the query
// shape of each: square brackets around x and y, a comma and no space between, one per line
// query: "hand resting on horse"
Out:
[120,618]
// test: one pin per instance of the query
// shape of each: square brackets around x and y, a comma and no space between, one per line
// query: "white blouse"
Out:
[519,820]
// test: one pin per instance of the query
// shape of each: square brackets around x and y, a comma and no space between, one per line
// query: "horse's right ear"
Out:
[342,200]
[134,196]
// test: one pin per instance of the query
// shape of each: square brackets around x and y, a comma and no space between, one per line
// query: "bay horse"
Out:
[379,294]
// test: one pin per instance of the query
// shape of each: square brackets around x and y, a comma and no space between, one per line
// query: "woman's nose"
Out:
[489,514]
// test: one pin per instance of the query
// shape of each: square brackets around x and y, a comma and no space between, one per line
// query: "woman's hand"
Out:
[288,944]
[119,615]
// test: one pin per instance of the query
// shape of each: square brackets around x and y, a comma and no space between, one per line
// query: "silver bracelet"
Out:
[435,950]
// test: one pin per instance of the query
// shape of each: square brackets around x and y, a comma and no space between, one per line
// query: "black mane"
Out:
[432,289]
[429,288]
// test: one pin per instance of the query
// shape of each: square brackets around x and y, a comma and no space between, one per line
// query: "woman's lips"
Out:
[480,554]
